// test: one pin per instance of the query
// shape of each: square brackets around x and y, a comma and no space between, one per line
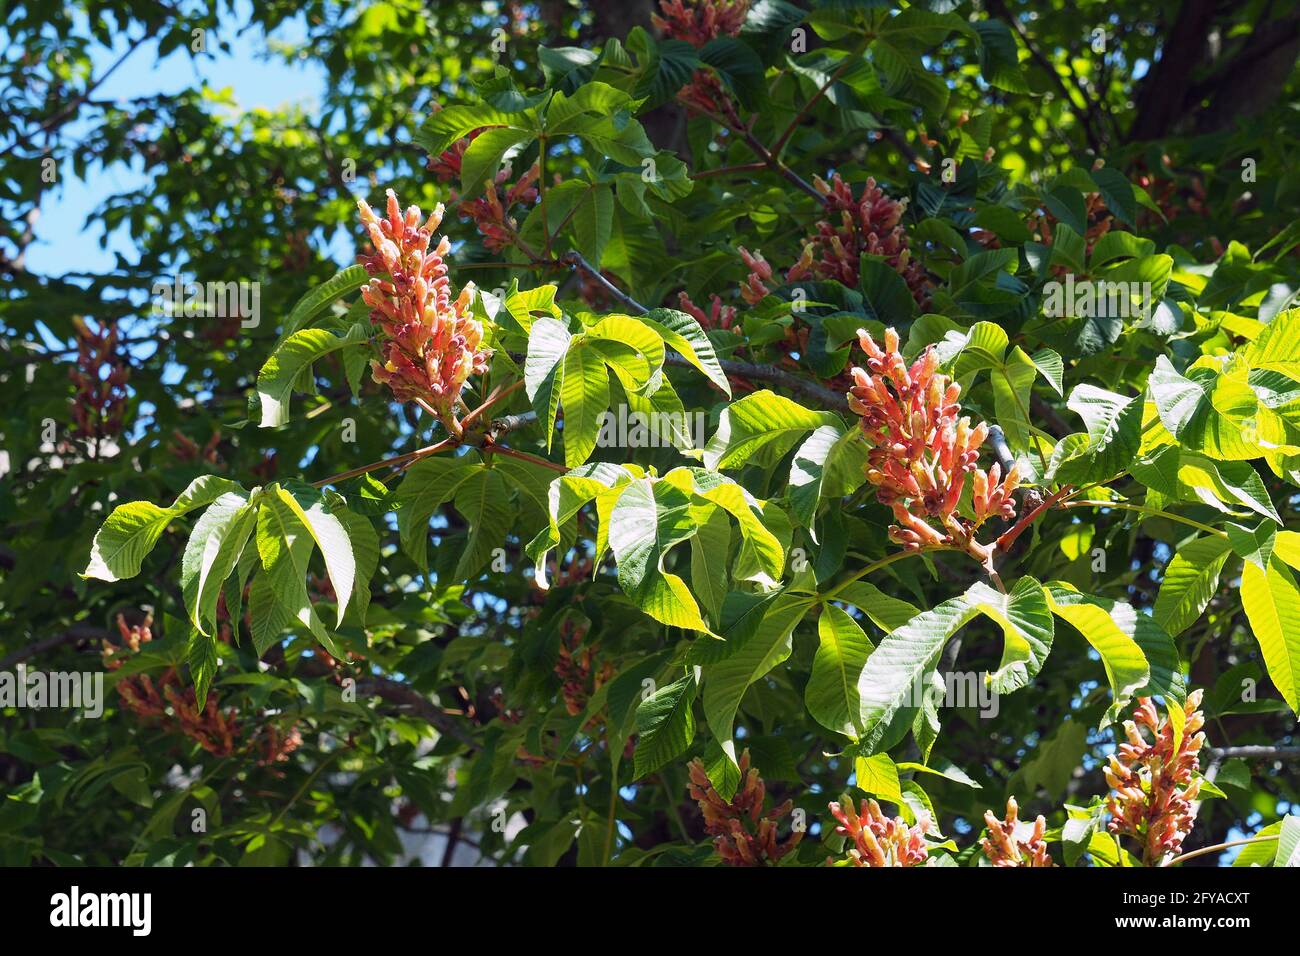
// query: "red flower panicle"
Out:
[876,839]
[699,21]
[1153,782]
[432,343]
[100,376]
[742,833]
[719,316]
[921,452]
[869,224]
[1012,842]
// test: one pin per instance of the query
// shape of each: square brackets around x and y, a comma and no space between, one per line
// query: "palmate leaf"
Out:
[566,496]
[131,530]
[891,683]
[726,681]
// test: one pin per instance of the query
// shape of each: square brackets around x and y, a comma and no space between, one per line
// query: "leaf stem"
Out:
[1219,846]
[1143,509]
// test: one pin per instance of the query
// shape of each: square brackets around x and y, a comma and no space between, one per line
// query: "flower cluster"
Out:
[576,667]
[921,452]
[876,839]
[175,706]
[491,211]
[719,316]
[100,376]
[1012,842]
[1153,782]
[432,343]
[743,834]
[697,22]
[869,224]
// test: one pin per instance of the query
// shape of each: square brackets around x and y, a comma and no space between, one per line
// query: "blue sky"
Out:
[256,78]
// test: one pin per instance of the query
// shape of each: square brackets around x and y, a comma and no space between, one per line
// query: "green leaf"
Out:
[727,680]
[829,464]
[331,538]
[1114,426]
[427,484]
[684,335]
[665,726]
[897,666]
[132,529]
[1012,382]
[710,562]
[593,221]
[276,379]
[483,500]
[831,694]
[1026,622]
[1263,853]
[647,520]
[278,597]
[318,299]
[1139,657]
[212,552]
[878,775]
[739,67]
[1190,580]
[566,496]
[548,343]
[201,655]
[1272,604]
[1288,844]
[483,157]
[584,392]
[886,611]
[761,419]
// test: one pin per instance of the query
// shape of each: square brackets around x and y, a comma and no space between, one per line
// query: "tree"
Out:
[734,405]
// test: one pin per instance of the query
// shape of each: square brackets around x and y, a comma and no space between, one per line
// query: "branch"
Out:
[763,373]
[1254,753]
[78,632]
[398,693]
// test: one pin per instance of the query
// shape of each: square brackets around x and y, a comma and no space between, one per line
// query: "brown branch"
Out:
[77,632]
[398,693]
[1254,753]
